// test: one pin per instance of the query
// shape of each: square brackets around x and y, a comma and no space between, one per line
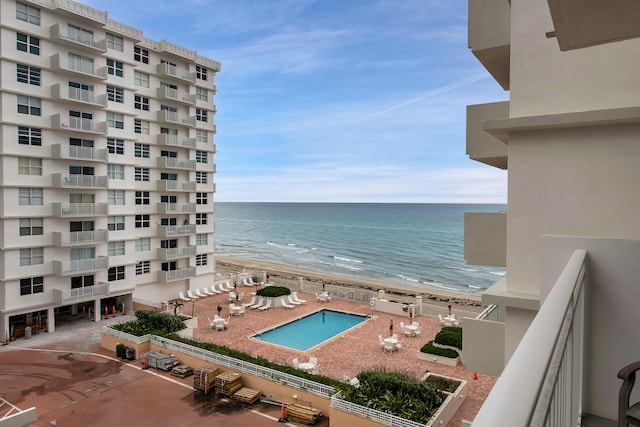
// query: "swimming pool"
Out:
[311,330]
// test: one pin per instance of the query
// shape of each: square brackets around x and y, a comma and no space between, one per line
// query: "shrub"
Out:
[151,322]
[273,291]
[451,336]
[444,352]
[441,383]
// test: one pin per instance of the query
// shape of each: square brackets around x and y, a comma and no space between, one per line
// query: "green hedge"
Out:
[451,336]
[396,394]
[151,322]
[444,352]
[444,384]
[273,291]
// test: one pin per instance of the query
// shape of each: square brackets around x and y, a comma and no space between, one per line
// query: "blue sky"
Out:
[335,101]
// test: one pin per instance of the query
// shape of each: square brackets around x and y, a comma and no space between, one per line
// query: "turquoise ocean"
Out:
[417,245]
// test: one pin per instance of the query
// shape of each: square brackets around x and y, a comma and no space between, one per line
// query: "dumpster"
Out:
[27,332]
[120,351]
[130,353]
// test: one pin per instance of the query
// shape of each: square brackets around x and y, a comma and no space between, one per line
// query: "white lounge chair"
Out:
[250,303]
[290,300]
[207,291]
[215,290]
[199,293]
[267,305]
[246,282]
[260,303]
[284,303]
[191,295]
[297,298]
[182,297]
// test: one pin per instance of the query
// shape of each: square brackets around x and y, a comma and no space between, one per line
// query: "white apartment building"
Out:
[564,319]
[107,154]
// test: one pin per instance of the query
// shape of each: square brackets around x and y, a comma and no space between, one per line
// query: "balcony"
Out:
[85,41]
[78,67]
[176,208]
[164,162]
[73,152]
[490,37]
[78,181]
[174,72]
[76,238]
[74,296]
[73,210]
[176,141]
[176,230]
[171,94]
[173,118]
[179,274]
[78,266]
[485,238]
[175,253]
[482,146]
[171,185]
[73,94]
[78,124]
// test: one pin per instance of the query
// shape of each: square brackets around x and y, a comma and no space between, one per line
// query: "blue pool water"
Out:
[311,330]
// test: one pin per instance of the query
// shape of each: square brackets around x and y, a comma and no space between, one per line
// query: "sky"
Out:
[335,101]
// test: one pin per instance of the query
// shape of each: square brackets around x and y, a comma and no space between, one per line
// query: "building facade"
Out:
[107,154]
[569,138]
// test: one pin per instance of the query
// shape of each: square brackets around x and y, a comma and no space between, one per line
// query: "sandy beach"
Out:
[235,265]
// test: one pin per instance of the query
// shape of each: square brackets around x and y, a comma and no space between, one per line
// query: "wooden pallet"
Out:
[204,378]
[227,383]
[247,395]
[182,371]
[302,414]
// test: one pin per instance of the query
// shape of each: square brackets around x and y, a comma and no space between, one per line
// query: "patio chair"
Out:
[297,298]
[182,297]
[232,297]
[199,293]
[267,305]
[388,347]
[398,345]
[381,340]
[628,414]
[314,362]
[260,303]
[402,325]
[296,362]
[408,332]
[290,300]
[284,303]
[252,302]
[191,295]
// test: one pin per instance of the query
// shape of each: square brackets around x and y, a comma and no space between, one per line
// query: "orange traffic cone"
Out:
[282,420]
[475,375]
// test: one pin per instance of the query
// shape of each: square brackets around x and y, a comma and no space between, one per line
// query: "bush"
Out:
[444,352]
[273,291]
[151,322]
[441,383]
[451,336]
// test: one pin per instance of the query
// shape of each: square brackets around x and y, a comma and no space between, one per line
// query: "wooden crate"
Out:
[227,383]
[247,395]
[302,414]
[204,378]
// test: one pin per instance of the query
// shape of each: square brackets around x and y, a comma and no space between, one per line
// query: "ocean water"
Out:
[417,245]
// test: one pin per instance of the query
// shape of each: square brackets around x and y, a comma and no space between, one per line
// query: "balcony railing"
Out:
[172,185]
[80,237]
[84,67]
[168,70]
[87,293]
[64,151]
[177,230]
[165,254]
[179,274]
[172,117]
[78,124]
[78,39]
[176,141]
[176,208]
[165,92]
[65,268]
[79,95]
[79,209]
[176,163]
[78,181]
[549,357]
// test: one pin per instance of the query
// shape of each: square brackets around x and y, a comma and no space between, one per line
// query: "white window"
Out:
[202,136]
[141,174]
[28,74]
[29,136]
[142,198]
[29,166]
[27,13]
[30,196]
[140,79]
[31,285]
[31,226]
[115,94]
[201,114]
[115,171]
[141,103]
[115,223]
[115,146]
[201,259]
[201,156]
[29,105]
[201,72]
[80,35]
[115,42]
[201,219]
[141,126]
[115,248]
[202,94]
[27,43]
[115,273]
[115,197]
[201,199]
[201,177]
[31,256]
[201,240]
[115,120]
[141,150]
[143,244]
[143,267]
[140,55]
[115,67]
[80,63]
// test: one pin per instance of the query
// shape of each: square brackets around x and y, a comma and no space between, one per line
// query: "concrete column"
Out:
[381,294]
[96,310]
[4,324]
[418,308]
[51,319]
[74,309]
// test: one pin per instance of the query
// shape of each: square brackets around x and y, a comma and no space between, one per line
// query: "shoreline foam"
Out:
[227,264]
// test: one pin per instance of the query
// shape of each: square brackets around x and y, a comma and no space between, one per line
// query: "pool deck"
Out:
[346,354]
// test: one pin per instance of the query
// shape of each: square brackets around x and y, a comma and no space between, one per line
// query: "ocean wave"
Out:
[347,259]
[498,273]
[470,270]
[407,278]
